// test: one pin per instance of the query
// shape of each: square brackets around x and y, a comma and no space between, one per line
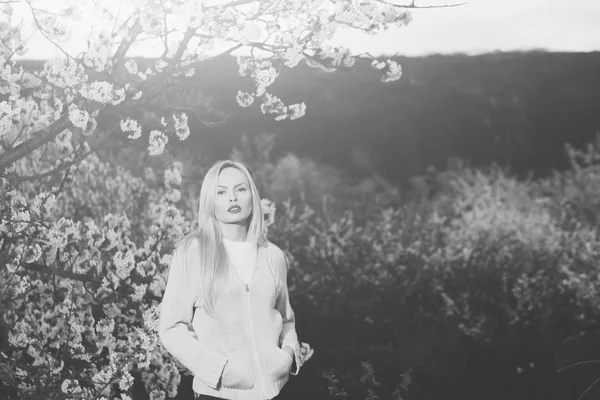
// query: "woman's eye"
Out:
[242,189]
[220,192]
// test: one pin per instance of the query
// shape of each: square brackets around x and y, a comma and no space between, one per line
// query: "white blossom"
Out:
[174,195]
[131,125]
[158,140]
[273,104]
[378,64]
[293,56]
[21,220]
[139,291]
[131,67]
[172,176]
[126,381]
[33,253]
[78,117]
[151,318]
[244,99]
[264,75]
[64,387]
[182,128]
[297,110]
[100,91]
[393,73]
[124,263]
[268,209]
[64,141]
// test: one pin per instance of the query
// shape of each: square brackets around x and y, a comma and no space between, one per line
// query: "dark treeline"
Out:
[516,109]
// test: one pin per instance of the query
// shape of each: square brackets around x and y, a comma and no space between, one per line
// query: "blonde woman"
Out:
[225,313]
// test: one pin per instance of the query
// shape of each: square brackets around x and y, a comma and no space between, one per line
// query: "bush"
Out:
[489,280]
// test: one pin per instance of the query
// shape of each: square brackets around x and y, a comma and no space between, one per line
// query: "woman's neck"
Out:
[234,232]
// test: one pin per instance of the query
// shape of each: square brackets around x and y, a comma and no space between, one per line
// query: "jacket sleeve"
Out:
[288,336]
[176,312]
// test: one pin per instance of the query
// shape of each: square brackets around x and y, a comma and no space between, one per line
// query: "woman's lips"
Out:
[234,209]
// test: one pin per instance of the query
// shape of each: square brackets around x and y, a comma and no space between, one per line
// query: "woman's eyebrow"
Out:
[236,185]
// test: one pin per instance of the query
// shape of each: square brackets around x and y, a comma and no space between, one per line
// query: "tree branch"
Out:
[44,136]
[189,34]
[53,171]
[198,63]
[232,4]
[57,272]
[119,56]
[117,17]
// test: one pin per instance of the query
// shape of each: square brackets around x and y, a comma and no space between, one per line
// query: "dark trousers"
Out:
[206,397]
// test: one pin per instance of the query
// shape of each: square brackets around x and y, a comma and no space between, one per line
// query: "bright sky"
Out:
[489,25]
[476,27]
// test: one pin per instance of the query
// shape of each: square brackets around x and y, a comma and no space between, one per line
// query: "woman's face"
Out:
[233,197]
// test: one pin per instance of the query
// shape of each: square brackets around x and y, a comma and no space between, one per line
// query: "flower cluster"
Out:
[182,129]
[268,210]
[132,127]
[244,99]
[97,256]
[392,70]
[158,140]
[103,92]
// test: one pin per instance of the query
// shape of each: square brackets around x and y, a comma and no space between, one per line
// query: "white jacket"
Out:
[253,323]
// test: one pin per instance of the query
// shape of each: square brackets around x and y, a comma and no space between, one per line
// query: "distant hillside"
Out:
[517,109]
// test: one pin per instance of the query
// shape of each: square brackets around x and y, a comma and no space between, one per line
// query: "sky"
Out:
[482,26]
[479,26]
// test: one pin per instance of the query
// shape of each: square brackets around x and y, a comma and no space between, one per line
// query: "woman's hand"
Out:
[306,352]
[235,374]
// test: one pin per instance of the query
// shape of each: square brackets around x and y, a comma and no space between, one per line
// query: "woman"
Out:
[225,313]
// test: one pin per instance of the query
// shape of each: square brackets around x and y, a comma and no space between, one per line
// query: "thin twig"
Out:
[413,6]
[116,18]
[43,31]
[578,364]
[588,389]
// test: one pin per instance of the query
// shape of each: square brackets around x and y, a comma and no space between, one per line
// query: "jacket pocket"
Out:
[237,373]
[277,361]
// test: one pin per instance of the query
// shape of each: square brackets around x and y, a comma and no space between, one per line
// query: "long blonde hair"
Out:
[211,272]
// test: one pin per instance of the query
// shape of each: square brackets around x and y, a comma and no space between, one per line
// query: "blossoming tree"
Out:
[84,244]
